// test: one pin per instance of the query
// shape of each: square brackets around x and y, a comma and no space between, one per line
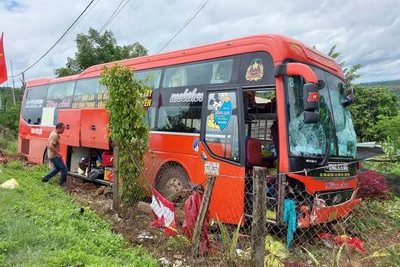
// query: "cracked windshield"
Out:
[334,131]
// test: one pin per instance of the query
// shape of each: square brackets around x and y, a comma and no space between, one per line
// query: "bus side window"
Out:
[221,72]
[32,107]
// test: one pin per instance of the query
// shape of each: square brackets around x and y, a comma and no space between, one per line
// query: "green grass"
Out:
[8,145]
[375,215]
[40,225]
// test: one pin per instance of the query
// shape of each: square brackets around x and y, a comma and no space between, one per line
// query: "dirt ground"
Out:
[136,228]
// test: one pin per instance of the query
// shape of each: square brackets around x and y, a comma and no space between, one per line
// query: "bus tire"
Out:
[172,182]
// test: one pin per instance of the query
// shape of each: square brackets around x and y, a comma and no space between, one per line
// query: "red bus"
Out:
[220,109]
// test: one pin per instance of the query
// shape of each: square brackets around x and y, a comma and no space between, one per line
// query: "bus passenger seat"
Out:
[253,152]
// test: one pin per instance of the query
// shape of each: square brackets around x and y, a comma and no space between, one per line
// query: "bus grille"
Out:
[336,197]
[25,146]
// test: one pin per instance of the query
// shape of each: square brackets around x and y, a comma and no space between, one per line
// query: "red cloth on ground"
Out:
[192,209]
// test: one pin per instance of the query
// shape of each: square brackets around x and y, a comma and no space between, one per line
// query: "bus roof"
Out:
[280,47]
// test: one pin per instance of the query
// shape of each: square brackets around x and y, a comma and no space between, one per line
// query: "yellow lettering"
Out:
[90,105]
[147,102]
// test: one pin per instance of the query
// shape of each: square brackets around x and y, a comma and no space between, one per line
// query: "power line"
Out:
[115,21]
[184,26]
[62,36]
[113,15]
[84,16]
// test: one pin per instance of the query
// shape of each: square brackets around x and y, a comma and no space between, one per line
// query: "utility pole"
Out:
[13,88]
[23,81]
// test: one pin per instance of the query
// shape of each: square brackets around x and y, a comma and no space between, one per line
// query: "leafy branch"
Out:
[127,127]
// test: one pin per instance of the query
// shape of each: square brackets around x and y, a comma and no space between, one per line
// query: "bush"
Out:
[12,147]
[3,143]
[16,165]
[373,185]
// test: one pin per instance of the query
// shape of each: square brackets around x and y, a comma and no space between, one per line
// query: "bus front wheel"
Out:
[172,183]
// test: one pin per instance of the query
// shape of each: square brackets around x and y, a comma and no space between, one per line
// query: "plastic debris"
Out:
[290,218]
[331,240]
[10,184]
[163,213]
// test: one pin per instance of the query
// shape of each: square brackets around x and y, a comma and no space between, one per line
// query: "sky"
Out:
[365,31]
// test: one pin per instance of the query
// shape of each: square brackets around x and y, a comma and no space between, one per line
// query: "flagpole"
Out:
[13,88]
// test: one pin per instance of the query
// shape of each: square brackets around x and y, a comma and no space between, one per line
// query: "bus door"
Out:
[261,145]
[222,151]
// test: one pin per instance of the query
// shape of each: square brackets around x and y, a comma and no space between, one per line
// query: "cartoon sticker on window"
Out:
[221,112]
[255,71]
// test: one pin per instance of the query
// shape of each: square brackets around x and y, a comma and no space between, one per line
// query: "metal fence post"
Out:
[258,227]
[116,179]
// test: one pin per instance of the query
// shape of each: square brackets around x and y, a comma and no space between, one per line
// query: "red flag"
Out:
[3,67]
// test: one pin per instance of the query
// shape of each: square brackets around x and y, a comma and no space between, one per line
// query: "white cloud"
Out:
[366,32]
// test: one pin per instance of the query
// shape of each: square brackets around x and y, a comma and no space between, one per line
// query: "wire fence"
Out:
[261,219]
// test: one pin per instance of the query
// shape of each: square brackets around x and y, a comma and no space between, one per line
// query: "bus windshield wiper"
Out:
[328,143]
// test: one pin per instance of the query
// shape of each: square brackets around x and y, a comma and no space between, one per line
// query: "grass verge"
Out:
[41,225]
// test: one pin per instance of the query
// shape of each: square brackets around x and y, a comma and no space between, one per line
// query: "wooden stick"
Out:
[205,203]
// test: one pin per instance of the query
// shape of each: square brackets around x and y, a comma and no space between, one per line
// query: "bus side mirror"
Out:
[293,69]
[348,94]
[310,97]
[311,102]
[311,116]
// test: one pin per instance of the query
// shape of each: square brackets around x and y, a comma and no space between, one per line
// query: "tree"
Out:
[127,127]
[95,48]
[375,110]
[9,117]
[373,104]
[350,73]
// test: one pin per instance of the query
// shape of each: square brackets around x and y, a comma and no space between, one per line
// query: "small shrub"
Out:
[229,244]
[3,143]
[177,243]
[373,185]
[12,147]
[16,165]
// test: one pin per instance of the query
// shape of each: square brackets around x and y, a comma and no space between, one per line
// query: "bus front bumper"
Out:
[321,213]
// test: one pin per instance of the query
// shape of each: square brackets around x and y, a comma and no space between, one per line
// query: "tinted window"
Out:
[222,134]
[33,104]
[151,117]
[180,119]
[151,78]
[89,86]
[59,96]
[60,90]
[211,72]
[89,93]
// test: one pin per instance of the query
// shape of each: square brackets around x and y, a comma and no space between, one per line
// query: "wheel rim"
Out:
[173,186]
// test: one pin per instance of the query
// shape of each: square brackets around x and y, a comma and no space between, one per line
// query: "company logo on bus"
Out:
[36,131]
[255,71]
[187,96]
